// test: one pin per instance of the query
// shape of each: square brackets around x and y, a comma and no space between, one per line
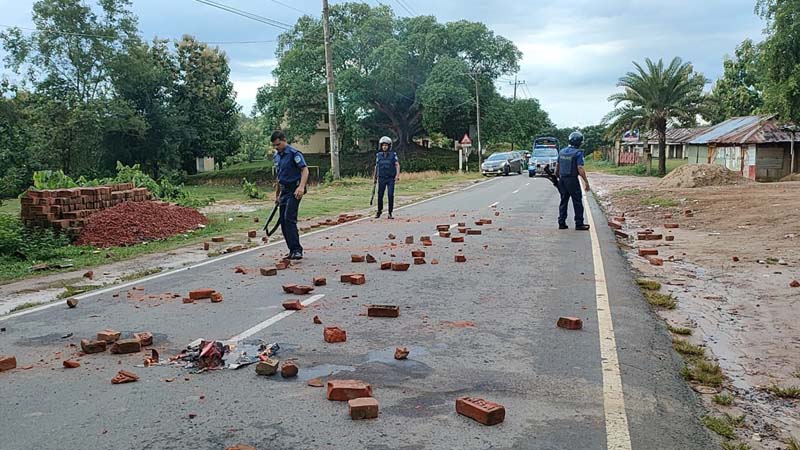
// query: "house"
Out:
[677,142]
[319,142]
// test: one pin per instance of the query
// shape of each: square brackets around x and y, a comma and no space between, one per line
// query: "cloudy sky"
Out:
[574,50]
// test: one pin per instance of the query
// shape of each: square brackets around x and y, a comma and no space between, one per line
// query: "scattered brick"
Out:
[123,376]
[89,275]
[424,238]
[570,323]
[347,278]
[671,225]
[70,364]
[7,363]
[434,262]
[199,294]
[474,232]
[457,239]
[427,243]
[417,254]
[217,239]
[144,337]
[89,346]
[292,305]
[442,227]
[619,219]
[461,258]
[234,249]
[320,281]
[387,265]
[187,300]
[358,279]
[371,259]
[344,390]
[281,266]
[334,335]
[794,284]
[462,224]
[357,258]
[650,237]
[108,335]
[216,297]
[301,290]
[289,370]
[401,353]
[316,382]
[444,234]
[669,238]
[242,446]
[419,261]
[252,233]
[621,234]
[288,288]
[206,246]
[409,239]
[363,408]
[655,260]
[614,224]
[72,302]
[480,410]
[736,259]
[124,346]
[383,311]
[269,271]
[317,320]
[400,267]
[648,252]
[268,367]
[240,269]
[392,237]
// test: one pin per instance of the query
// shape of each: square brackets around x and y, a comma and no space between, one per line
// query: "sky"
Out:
[574,51]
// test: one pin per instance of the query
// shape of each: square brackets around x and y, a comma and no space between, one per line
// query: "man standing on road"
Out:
[568,167]
[387,173]
[292,174]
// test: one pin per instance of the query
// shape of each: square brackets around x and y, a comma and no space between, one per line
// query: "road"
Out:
[483,328]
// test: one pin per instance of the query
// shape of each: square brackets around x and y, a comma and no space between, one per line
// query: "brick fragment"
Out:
[218,239]
[655,260]
[419,261]
[268,367]
[648,252]
[357,258]
[242,446]
[444,234]
[199,294]
[570,323]
[619,219]
[371,259]
[736,259]
[124,346]
[434,262]
[363,408]
[317,320]
[292,305]
[391,237]
[462,224]
[252,234]
[334,335]
[614,224]
[409,239]
[417,254]
[281,266]
[240,269]
[347,277]
[794,284]
[400,267]
[424,238]
[288,288]
[123,376]
[442,227]
[289,370]
[480,410]
[649,237]
[383,311]
[457,239]
[269,271]
[358,279]
[234,249]
[108,335]
[206,246]
[387,265]
[671,225]
[7,363]
[401,353]
[72,302]
[474,232]
[461,258]
[216,297]
[144,337]
[187,300]
[70,364]
[344,390]
[621,234]
[302,290]
[669,238]
[89,275]
[320,281]
[89,346]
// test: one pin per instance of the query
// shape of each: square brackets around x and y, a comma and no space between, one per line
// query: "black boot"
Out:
[378,214]
[582,227]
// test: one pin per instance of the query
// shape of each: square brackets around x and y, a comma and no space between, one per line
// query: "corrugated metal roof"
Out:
[738,130]
[766,131]
[722,129]
[676,135]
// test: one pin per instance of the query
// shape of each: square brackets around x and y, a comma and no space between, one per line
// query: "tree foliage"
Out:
[739,91]
[781,57]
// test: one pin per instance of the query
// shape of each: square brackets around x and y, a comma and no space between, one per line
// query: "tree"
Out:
[515,122]
[739,91]
[594,138]
[656,96]
[781,57]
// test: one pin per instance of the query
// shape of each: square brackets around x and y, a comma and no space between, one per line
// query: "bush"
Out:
[250,190]
[28,244]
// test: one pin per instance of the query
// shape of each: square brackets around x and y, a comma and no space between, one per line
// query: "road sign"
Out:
[466,140]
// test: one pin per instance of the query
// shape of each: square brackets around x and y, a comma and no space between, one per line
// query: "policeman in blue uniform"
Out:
[387,173]
[568,168]
[292,174]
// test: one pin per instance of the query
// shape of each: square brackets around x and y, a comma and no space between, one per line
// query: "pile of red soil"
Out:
[136,222]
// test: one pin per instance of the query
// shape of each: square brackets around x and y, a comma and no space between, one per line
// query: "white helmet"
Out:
[385,140]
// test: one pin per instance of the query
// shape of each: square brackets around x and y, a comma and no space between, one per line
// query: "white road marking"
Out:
[219,258]
[494,204]
[453,226]
[272,320]
[617,432]
[516,192]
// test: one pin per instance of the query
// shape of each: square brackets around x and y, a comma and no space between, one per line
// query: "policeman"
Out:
[568,167]
[387,173]
[292,178]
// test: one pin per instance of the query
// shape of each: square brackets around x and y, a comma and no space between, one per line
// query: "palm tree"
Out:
[657,97]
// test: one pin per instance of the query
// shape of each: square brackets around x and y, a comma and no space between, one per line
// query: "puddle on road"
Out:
[323,371]
[386,356]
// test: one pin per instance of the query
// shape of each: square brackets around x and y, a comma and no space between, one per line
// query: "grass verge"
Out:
[792,392]
[720,425]
[660,300]
[23,307]
[679,330]
[687,348]
[141,274]
[649,285]
[703,371]
[723,399]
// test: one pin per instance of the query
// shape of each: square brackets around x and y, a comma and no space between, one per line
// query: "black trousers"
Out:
[383,186]
[570,188]
[289,207]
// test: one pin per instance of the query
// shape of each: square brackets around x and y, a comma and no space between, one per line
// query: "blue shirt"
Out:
[288,165]
[387,165]
[569,159]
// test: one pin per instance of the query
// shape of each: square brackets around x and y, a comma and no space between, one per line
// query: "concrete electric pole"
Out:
[331,92]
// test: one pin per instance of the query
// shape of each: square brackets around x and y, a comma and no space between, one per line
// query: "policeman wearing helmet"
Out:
[568,168]
[387,173]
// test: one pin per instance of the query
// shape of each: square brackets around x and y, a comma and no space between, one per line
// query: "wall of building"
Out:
[772,162]
[697,154]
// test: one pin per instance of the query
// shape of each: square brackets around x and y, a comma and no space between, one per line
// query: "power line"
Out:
[404,7]
[408,6]
[265,20]
[291,7]
[66,33]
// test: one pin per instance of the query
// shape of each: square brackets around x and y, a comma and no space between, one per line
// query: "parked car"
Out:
[545,154]
[502,164]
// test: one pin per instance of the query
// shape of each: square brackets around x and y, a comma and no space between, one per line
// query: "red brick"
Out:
[216,297]
[463,230]
[736,259]
[614,224]
[667,216]
[570,323]
[218,239]
[480,410]
[144,337]
[72,302]
[444,234]
[401,353]
[424,238]
[334,335]
[409,239]
[199,294]
[269,271]
[486,221]
[292,305]
[347,277]
[252,233]
[344,390]
[301,290]
[288,288]
[434,262]
[108,335]
[317,320]
[89,275]
[281,266]
[427,243]
[241,447]
[187,300]
[648,252]
[417,254]
[400,267]
[669,238]
[621,234]
[358,279]
[289,369]
[655,260]
[371,259]
[124,346]
[89,346]
[474,232]
[240,269]
[383,311]
[619,219]
[7,363]
[320,281]
[671,225]
[363,408]
[650,237]
[387,265]
[206,246]
[442,227]
[123,376]
[461,258]
[457,239]
[462,224]
[70,364]
[357,258]
[794,284]
[419,261]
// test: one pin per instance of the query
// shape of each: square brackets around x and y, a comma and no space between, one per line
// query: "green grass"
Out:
[687,348]
[720,425]
[23,307]
[723,399]
[728,445]
[661,202]
[666,301]
[10,206]
[704,372]
[636,170]
[785,392]
[649,285]
[679,330]
[793,444]
[72,291]
[141,274]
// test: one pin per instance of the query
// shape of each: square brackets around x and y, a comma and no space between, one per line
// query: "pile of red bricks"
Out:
[68,209]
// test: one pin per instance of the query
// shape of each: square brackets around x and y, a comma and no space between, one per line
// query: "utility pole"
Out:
[326,27]
[516,83]
[478,107]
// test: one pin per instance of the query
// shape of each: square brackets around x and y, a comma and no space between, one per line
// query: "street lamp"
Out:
[791,128]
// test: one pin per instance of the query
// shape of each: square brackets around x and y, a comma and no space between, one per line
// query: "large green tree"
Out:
[781,57]
[655,96]
[739,91]
[384,66]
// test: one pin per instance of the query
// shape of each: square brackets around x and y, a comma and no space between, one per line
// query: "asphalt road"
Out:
[483,328]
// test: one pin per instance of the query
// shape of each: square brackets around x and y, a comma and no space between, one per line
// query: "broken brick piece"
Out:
[269,271]
[187,300]
[794,284]
[417,254]
[457,239]
[371,259]
[206,246]
[216,297]
[401,353]
[383,311]
[252,233]
[320,281]
[217,239]
[621,234]
[434,261]
[424,238]
[655,260]
[648,252]
[108,335]
[387,265]
[240,269]
[292,305]
[289,370]
[363,408]
[89,346]
[444,234]
[334,335]
[144,337]
[474,232]
[614,224]
[281,266]
[70,364]
[461,258]
[347,278]
[198,294]
[302,290]
[480,410]
[7,363]
[462,224]
[344,390]
[570,323]
[392,237]
[72,302]
[242,446]
[268,367]
[357,258]
[89,275]
[409,239]
[671,225]
[427,243]
[358,279]
[123,376]
[736,259]
[442,227]
[463,230]
[419,261]
[288,288]
[669,238]
[400,267]
[317,320]
[124,346]
[486,221]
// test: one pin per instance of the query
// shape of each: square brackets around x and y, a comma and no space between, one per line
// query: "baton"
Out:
[271,216]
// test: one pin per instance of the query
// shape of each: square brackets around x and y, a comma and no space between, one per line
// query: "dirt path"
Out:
[729,268]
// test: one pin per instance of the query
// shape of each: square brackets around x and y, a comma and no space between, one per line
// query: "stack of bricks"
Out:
[67,210]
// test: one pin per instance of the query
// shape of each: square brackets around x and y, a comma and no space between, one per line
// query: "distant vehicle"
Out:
[544,154]
[502,164]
